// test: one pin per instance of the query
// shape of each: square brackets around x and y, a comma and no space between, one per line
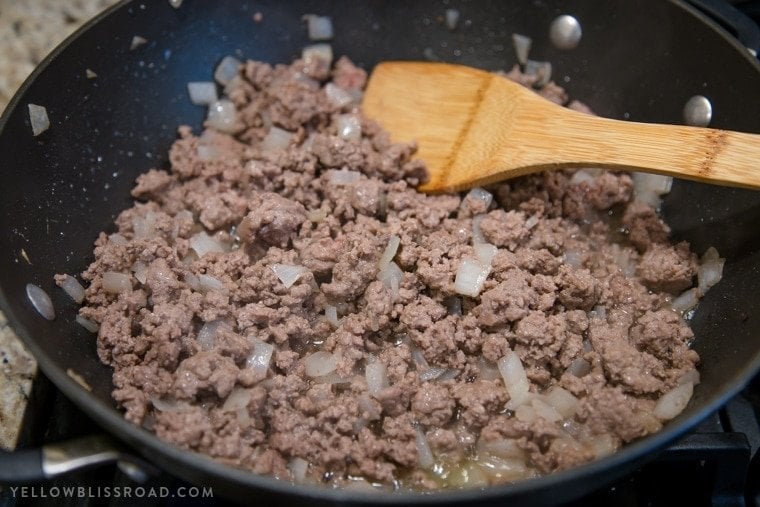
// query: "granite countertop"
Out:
[28,31]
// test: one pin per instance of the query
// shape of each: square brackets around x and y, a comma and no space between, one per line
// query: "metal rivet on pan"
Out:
[565,32]
[697,112]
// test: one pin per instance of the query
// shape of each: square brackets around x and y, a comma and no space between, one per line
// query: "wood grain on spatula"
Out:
[474,127]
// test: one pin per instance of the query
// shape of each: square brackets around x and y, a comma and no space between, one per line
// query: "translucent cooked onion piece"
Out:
[477,234]
[38,118]
[349,127]
[331,314]
[711,270]
[208,283]
[317,54]
[649,188]
[390,251]
[168,405]
[222,116]
[481,195]
[276,139]
[424,453]
[579,367]
[515,379]
[376,375]
[288,274]
[202,243]
[319,27]
[320,364]
[542,70]
[73,288]
[237,399]
[226,70]
[686,301]
[342,177]
[522,46]
[485,252]
[40,301]
[339,97]
[116,283]
[432,374]
[261,357]
[207,334]
[470,277]
[89,325]
[673,402]
[202,93]
[391,276]
[562,401]
[298,468]
[452,18]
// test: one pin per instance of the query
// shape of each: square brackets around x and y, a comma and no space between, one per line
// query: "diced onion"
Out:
[686,301]
[140,269]
[390,251]
[480,194]
[276,139]
[573,258]
[419,358]
[691,376]
[207,334]
[222,116]
[522,46]
[237,399]
[117,239]
[288,274]
[226,70]
[331,314]
[260,357]
[622,257]
[544,410]
[40,301]
[202,93]
[343,177]
[424,454]
[452,18]
[317,54]
[38,117]
[320,364]
[338,96]
[711,270]
[349,127]
[501,447]
[206,152]
[470,277]
[526,413]
[319,27]
[137,41]
[485,252]
[377,376]
[648,188]
[603,445]
[673,402]
[202,243]
[599,312]
[515,379]
[477,234]
[581,176]
[116,283]
[298,468]
[89,325]
[209,283]
[542,70]
[168,405]
[562,401]
[73,288]
[431,374]
[531,222]
[391,276]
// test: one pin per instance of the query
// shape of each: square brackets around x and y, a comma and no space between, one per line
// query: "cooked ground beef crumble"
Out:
[350,374]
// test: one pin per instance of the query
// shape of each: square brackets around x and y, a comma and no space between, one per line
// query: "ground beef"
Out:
[214,353]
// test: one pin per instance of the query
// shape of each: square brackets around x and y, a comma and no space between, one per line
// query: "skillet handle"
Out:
[60,458]
[735,21]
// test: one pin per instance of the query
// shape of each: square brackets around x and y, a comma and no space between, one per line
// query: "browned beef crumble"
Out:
[558,295]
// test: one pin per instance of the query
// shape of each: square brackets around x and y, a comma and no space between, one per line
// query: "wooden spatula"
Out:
[474,127]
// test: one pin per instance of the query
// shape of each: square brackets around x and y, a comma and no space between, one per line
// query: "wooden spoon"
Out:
[474,127]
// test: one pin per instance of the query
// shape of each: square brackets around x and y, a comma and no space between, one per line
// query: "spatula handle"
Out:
[702,154]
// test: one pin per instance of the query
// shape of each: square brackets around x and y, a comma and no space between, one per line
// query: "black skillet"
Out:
[638,59]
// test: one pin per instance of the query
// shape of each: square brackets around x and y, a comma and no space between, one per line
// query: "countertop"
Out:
[28,31]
